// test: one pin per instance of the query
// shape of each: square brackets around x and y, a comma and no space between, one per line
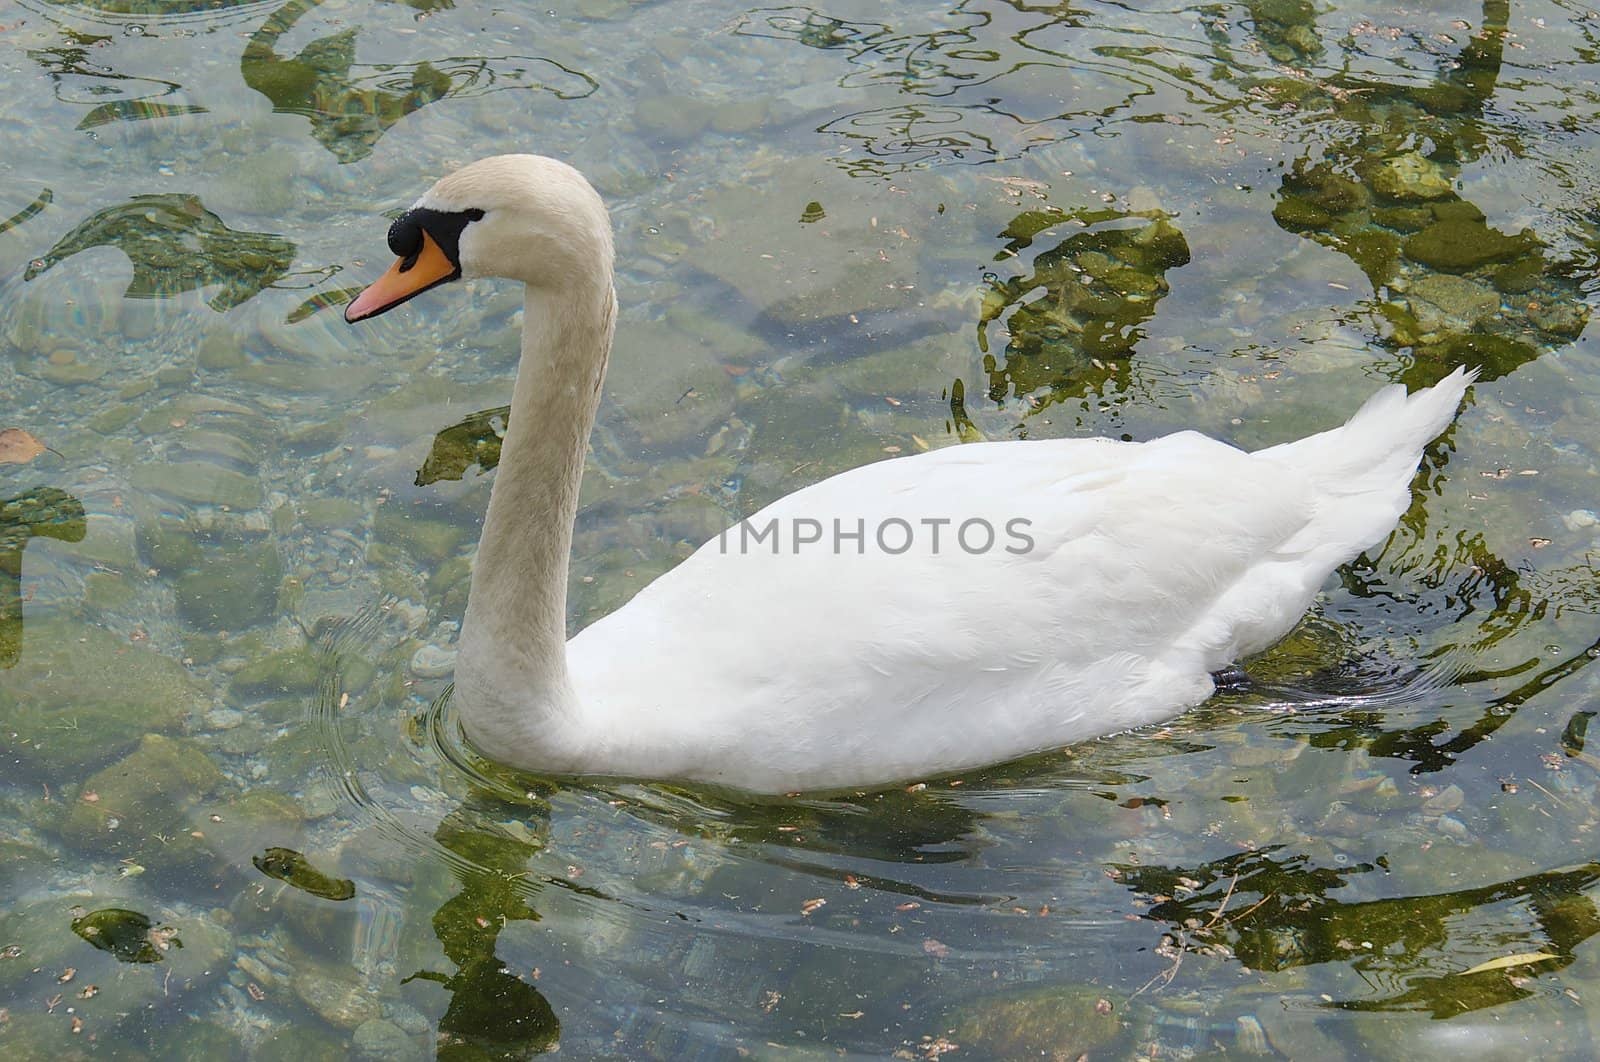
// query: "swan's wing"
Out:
[1120,576]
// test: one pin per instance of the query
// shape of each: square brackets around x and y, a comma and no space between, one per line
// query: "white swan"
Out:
[1139,570]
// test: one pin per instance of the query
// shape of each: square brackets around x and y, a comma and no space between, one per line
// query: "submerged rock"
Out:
[139,808]
[301,1043]
[1059,1022]
[425,537]
[384,1041]
[1458,244]
[341,1003]
[290,671]
[798,275]
[199,483]
[20,862]
[81,696]
[432,661]
[233,586]
[674,378]
[1443,302]
[1410,176]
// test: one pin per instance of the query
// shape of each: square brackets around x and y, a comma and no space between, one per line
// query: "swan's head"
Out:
[524,217]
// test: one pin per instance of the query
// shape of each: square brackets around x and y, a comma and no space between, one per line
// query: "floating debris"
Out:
[18,447]
[291,867]
[128,935]
[1506,962]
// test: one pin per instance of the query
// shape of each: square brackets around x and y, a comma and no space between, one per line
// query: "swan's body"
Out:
[1136,570]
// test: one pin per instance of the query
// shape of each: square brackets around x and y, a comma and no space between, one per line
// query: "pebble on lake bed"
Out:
[432,661]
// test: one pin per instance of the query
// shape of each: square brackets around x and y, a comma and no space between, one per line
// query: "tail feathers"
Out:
[1365,467]
[1383,441]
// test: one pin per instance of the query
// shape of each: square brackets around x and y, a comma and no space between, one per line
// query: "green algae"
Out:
[351,105]
[1099,286]
[295,672]
[125,934]
[473,441]
[285,864]
[493,1012]
[1458,244]
[1296,922]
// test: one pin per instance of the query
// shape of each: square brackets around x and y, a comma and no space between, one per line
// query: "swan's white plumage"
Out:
[1151,566]
[1154,564]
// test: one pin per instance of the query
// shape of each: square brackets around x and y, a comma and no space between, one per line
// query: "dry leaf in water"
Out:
[18,447]
[1527,958]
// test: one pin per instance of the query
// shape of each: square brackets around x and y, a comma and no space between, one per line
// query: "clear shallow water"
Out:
[845,233]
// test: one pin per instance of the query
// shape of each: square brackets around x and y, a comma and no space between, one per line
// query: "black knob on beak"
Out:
[405,236]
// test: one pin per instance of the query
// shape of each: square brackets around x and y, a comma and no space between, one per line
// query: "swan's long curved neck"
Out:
[511,676]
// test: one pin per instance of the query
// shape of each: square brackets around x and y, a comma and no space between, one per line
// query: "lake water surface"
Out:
[236,816]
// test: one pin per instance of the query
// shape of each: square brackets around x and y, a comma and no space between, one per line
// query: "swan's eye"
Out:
[405,236]
[474,214]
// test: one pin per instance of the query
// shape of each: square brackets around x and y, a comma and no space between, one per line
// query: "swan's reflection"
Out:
[177,245]
[1272,910]
[43,512]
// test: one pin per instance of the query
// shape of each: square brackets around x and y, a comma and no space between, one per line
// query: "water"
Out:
[236,818]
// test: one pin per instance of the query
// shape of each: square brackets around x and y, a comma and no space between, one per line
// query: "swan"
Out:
[914,617]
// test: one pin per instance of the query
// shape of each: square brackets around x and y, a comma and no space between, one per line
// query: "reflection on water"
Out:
[43,512]
[1271,910]
[494,1011]
[473,441]
[1100,284]
[28,212]
[177,245]
[989,83]
[351,105]
[112,96]
[1455,290]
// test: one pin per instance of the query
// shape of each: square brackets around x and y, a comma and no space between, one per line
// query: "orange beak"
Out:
[408,277]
